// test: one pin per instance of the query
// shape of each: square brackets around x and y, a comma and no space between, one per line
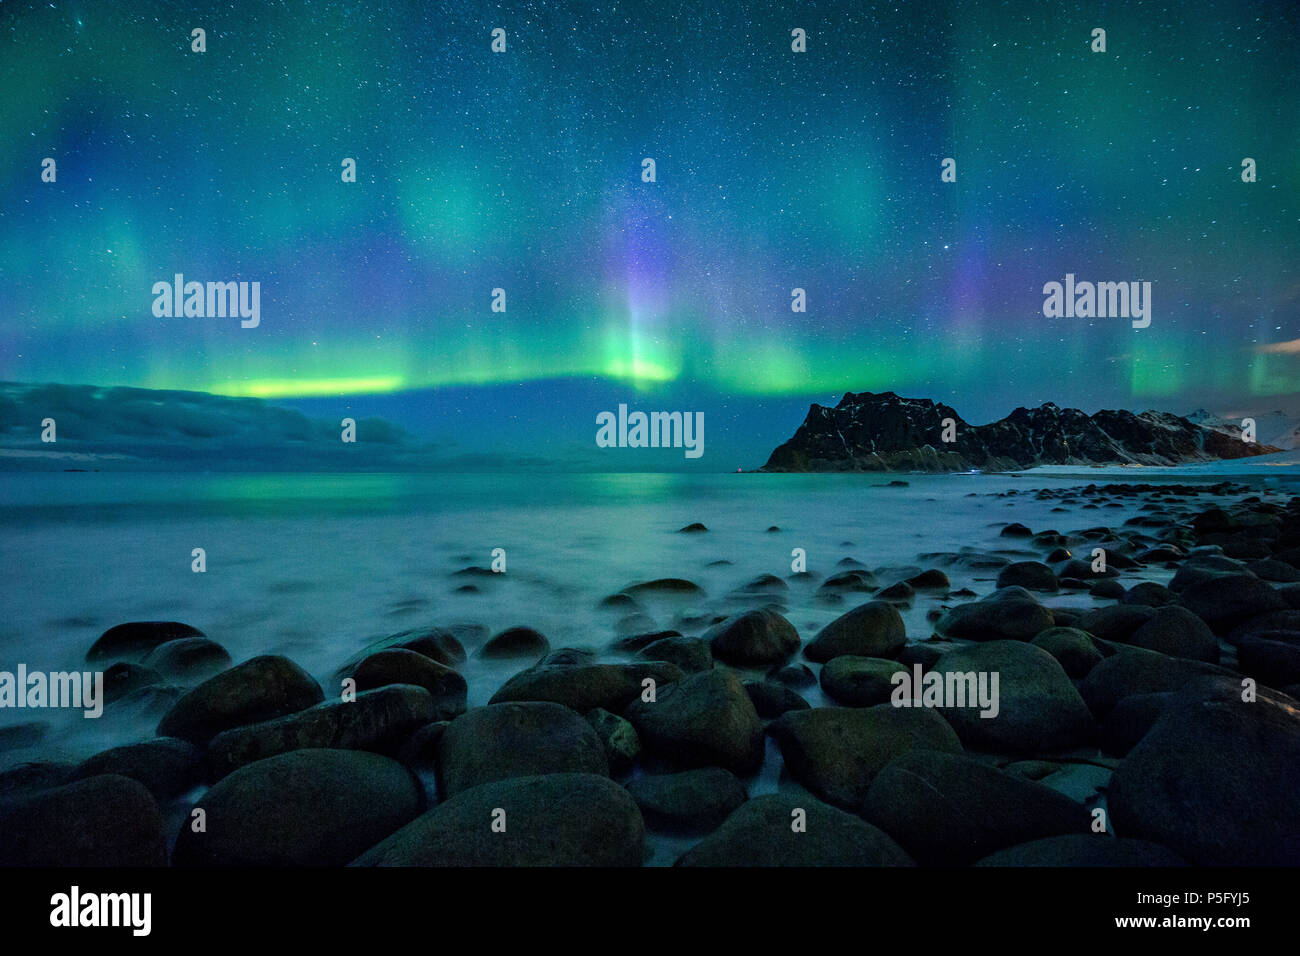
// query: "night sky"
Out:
[775,170]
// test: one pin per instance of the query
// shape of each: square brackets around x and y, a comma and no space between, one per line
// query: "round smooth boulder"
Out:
[753,638]
[950,810]
[860,681]
[782,830]
[188,659]
[1011,697]
[1212,779]
[517,739]
[262,688]
[402,666]
[305,808]
[559,819]
[1031,575]
[690,801]
[874,629]
[133,640]
[1072,648]
[702,720]
[515,642]
[103,821]
[837,751]
[1010,614]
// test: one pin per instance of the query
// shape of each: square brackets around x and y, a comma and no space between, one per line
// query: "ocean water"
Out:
[315,567]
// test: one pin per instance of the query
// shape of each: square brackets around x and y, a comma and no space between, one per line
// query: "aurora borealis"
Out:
[775,170]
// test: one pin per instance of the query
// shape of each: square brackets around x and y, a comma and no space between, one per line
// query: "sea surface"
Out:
[315,567]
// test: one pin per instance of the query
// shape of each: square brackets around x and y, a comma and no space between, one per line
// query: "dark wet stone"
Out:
[259,689]
[762,833]
[558,819]
[516,740]
[874,629]
[167,766]
[104,821]
[702,720]
[132,641]
[690,801]
[772,699]
[618,737]
[753,638]
[860,681]
[305,808]
[515,642]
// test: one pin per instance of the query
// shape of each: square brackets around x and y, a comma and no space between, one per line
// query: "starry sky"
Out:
[523,170]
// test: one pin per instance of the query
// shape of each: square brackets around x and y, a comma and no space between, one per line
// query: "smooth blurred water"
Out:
[316,566]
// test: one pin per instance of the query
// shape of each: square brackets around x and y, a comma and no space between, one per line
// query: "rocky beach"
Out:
[1143,641]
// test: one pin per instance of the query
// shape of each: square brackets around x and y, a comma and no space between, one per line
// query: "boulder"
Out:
[518,739]
[103,821]
[837,751]
[690,801]
[874,629]
[1073,649]
[403,666]
[702,720]
[1213,779]
[377,720]
[762,832]
[132,641]
[1010,614]
[1038,708]
[167,766]
[860,681]
[950,810]
[305,808]
[587,686]
[558,819]
[262,688]
[753,638]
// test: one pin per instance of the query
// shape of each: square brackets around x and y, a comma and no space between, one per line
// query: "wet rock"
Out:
[760,833]
[692,801]
[1148,594]
[1109,589]
[132,641]
[1226,601]
[305,808]
[854,580]
[1071,647]
[874,629]
[1038,708]
[515,642]
[402,666]
[559,819]
[793,675]
[753,638]
[1032,575]
[702,720]
[860,681]
[1176,787]
[166,766]
[585,687]
[262,688]
[1177,631]
[377,720]
[929,579]
[125,677]
[104,821]
[1130,720]
[441,645]
[1117,622]
[27,778]
[837,751]
[636,642]
[1137,671]
[1009,614]
[772,699]
[665,586]
[1015,530]
[420,751]
[691,654]
[1274,663]
[516,740]
[618,738]
[188,659]
[950,810]
[693,528]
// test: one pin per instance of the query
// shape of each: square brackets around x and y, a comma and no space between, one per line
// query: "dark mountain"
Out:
[868,432]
